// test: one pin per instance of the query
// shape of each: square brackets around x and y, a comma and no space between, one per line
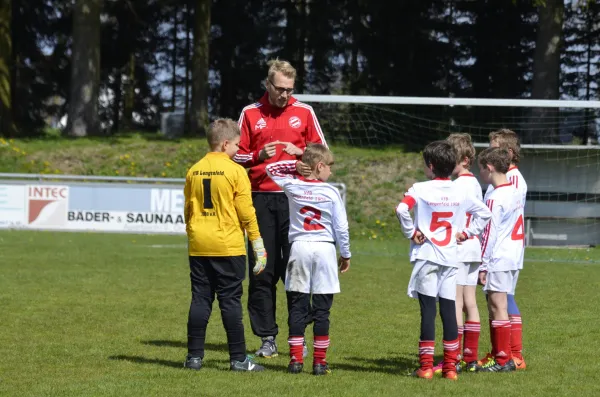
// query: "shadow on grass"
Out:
[402,364]
[222,347]
[145,360]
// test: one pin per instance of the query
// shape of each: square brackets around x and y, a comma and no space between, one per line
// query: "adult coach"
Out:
[277,127]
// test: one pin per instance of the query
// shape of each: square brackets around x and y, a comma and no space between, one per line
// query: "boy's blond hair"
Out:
[499,158]
[509,140]
[463,146]
[280,66]
[221,130]
[316,153]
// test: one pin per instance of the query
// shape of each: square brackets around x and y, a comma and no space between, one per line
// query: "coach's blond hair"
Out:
[316,153]
[280,66]
[509,140]
[221,130]
[499,158]
[463,146]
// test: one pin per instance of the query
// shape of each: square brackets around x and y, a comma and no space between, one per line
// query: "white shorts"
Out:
[468,273]
[502,281]
[431,279]
[312,268]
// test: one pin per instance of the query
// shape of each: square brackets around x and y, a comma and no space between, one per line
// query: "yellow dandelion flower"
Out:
[164,174]
[117,172]
[378,221]
[384,224]
[167,164]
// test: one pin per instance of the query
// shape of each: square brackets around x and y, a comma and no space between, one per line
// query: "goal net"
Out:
[560,157]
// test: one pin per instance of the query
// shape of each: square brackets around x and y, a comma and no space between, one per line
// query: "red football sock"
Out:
[450,355]
[516,336]
[471,347]
[296,348]
[461,330]
[492,338]
[501,330]
[426,348]
[320,346]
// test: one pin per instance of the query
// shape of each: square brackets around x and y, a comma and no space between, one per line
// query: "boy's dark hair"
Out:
[499,158]
[442,156]
[509,140]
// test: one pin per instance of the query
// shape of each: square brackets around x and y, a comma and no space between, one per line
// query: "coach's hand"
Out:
[303,169]
[292,149]
[268,151]
[344,264]
[482,278]
[260,254]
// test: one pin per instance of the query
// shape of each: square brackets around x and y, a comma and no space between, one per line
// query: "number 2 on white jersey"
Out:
[310,221]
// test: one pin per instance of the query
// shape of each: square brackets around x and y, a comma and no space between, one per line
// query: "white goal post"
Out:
[563,175]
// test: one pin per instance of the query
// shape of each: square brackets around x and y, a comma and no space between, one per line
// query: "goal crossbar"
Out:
[408,100]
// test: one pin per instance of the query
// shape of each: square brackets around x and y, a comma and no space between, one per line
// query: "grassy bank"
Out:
[375,178]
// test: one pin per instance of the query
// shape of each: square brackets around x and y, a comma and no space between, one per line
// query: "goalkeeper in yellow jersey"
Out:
[218,208]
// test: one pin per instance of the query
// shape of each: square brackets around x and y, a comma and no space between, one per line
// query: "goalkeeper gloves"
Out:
[260,254]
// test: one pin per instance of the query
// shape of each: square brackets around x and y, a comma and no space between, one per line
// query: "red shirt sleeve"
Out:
[314,134]
[244,156]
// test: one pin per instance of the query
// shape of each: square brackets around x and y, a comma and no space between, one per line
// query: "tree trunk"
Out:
[188,48]
[174,62]
[116,105]
[546,67]
[85,69]
[303,26]
[7,126]
[129,94]
[200,66]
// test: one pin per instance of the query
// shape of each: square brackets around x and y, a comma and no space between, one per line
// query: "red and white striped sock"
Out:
[296,349]
[450,355]
[320,346]
[426,349]
[501,329]
[471,347]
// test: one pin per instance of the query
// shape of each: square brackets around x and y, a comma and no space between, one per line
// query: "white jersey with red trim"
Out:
[469,250]
[317,212]
[439,206]
[516,179]
[503,240]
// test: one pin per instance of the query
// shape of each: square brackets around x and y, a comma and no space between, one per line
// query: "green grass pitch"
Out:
[85,314]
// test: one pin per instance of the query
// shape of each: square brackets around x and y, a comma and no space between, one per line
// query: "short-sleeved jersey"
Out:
[218,207]
[516,179]
[440,206]
[317,212]
[503,239]
[469,250]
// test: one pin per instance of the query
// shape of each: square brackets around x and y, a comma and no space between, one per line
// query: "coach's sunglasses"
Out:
[281,90]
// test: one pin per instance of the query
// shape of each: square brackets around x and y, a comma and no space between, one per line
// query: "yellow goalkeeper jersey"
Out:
[218,207]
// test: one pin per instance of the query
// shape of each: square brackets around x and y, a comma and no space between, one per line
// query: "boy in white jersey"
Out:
[507,139]
[502,247]
[317,221]
[469,258]
[439,205]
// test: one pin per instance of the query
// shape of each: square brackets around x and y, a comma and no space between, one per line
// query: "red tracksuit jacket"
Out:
[261,123]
